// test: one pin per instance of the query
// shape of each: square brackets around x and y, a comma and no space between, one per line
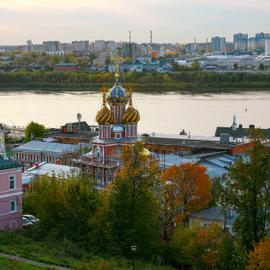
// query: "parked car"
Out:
[26,222]
[31,219]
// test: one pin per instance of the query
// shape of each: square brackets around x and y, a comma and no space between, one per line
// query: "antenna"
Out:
[129,36]
[151,37]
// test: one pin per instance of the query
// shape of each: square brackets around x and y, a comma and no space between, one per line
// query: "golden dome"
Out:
[131,115]
[104,116]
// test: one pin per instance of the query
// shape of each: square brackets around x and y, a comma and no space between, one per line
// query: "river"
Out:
[198,114]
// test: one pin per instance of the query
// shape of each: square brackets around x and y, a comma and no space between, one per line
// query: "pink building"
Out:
[10,195]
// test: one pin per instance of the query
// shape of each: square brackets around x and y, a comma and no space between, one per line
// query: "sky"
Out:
[170,20]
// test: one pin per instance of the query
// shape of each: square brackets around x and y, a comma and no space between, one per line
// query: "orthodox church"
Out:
[118,125]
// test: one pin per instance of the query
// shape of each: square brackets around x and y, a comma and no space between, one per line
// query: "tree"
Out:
[34,129]
[247,192]
[259,258]
[65,207]
[134,203]
[202,248]
[187,189]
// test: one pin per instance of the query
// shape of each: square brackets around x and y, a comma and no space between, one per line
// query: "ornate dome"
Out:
[104,116]
[117,94]
[131,115]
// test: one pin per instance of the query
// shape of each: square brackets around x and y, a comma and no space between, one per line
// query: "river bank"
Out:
[140,88]
[144,82]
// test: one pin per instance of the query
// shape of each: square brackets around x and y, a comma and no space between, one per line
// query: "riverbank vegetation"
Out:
[145,216]
[197,81]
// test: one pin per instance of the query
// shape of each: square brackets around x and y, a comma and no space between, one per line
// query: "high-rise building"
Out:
[51,46]
[240,42]
[260,40]
[80,46]
[251,44]
[267,46]
[218,44]
[99,45]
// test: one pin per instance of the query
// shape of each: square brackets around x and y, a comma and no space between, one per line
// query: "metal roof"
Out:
[41,146]
[8,164]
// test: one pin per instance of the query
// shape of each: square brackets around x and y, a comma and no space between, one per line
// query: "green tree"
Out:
[134,203]
[34,129]
[246,191]
[66,207]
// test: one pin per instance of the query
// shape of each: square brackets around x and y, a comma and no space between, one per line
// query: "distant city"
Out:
[244,53]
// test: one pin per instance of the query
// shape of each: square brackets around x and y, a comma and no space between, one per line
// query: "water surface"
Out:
[199,114]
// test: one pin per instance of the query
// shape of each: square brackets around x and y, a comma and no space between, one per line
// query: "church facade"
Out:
[118,127]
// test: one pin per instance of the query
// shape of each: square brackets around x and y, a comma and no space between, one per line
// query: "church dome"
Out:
[131,115]
[117,94]
[104,116]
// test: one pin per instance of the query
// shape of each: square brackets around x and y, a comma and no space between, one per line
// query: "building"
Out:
[183,145]
[51,46]
[239,132]
[267,47]
[240,42]
[118,121]
[66,67]
[80,46]
[218,44]
[10,194]
[49,169]
[39,151]
[260,41]
[215,215]
[252,44]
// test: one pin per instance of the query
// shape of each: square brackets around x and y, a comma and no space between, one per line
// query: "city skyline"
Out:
[49,20]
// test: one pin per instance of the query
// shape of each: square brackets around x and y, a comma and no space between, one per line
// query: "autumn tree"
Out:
[259,258]
[187,189]
[33,129]
[202,248]
[134,203]
[247,192]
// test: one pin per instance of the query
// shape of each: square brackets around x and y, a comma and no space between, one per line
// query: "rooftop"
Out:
[51,169]
[52,147]
[185,141]
[8,164]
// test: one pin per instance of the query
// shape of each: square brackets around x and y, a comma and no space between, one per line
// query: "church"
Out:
[118,127]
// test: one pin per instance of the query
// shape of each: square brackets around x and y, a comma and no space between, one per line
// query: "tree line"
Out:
[201,78]
[150,210]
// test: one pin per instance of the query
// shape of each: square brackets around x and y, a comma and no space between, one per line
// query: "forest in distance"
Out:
[191,81]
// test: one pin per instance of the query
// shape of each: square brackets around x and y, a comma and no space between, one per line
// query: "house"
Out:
[49,169]
[38,151]
[238,132]
[214,215]
[10,195]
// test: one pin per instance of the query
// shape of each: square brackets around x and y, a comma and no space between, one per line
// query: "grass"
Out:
[64,253]
[6,264]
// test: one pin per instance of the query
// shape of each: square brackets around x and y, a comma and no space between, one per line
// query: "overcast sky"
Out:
[171,20]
